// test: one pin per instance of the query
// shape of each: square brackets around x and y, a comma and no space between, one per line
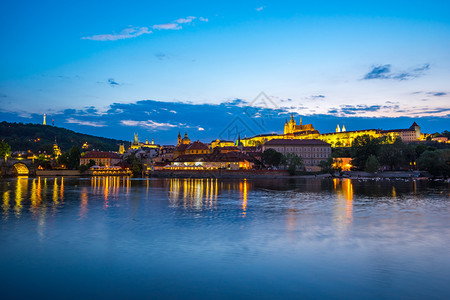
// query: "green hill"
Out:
[37,137]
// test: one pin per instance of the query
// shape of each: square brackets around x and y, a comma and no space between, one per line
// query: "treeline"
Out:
[36,137]
[370,153]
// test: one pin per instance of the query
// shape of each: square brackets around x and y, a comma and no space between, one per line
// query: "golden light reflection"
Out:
[6,204]
[243,186]
[197,193]
[21,192]
[344,202]
[55,192]
[84,203]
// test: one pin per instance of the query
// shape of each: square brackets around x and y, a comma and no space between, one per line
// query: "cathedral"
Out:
[293,128]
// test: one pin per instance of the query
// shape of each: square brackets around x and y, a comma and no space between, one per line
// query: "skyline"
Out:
[79,62]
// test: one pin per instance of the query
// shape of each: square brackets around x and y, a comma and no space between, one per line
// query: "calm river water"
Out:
[122,238]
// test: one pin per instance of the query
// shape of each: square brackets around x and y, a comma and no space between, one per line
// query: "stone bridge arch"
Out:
[20,169]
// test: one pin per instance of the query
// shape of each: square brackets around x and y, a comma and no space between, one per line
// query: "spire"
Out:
[179,133]
[338,129]
[300,121]
[44,123]
[292,117]
[285,122]
[343,128]
[185,134]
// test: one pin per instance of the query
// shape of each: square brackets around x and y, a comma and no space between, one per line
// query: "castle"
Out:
[340,138]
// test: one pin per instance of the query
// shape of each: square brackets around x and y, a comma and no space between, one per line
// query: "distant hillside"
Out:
[37,137]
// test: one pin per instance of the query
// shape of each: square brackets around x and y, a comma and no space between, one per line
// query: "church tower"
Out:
[136,139]
[286,127]
[179,138]
[343,128]
[337,128]
[44,123]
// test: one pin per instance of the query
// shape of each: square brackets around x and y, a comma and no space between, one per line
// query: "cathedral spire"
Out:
[292,118]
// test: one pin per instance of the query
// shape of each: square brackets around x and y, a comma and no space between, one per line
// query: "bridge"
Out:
[16,167]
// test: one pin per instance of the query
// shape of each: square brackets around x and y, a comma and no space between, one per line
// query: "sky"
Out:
[114,68]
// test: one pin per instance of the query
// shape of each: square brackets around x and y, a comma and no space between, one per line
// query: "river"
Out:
[123,238]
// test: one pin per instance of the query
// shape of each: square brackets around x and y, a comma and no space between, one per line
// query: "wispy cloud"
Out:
[112,82]
[126,33]
[149,124]
[132,32]
[439,94]
[86,123]
[259,8]
[185,20]
[167,26]
[384,72]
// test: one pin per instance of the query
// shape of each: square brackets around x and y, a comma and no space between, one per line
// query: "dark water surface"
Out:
[121,238]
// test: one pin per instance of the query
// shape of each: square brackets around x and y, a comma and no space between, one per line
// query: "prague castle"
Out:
[340,138]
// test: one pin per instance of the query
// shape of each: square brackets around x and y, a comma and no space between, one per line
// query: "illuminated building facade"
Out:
[339,138]
[312,152]
[137,145]
[292,127]
[106,159]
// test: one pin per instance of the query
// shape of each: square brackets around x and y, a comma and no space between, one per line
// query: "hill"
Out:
[37,137]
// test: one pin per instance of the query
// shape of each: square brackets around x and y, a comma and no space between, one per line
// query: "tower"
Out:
[337,128]
[286,127]
[343,128]
[44,123]
[136,139]
[179,138]
[121,149]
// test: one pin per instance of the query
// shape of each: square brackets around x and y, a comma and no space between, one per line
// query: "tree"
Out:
[436,162]
[292,161]
[271,157]
[74,158]
[372,164]
[135,164]
[362,148]
[392,154]
[327,166]
[5,149]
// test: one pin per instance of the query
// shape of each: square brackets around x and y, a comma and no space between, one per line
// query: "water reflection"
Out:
[199,193]
[343,211]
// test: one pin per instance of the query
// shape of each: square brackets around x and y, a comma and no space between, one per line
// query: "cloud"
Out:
[85,123]
[161,56]
[3,95]
[112,82]
[132,32]
[167,26]
[172,111]
[201,129]
[126,33]
[439,94]
[149,124]
[317,97]
[185,20]
[259,8]
[384,72]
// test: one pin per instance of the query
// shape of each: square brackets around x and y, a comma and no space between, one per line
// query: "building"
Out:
[138,145]
[212,161]
[312,152]
[339,138]
[221,143]
[101,158]
[293,128]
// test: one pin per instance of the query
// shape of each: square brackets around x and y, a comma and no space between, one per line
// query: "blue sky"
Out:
[346,61]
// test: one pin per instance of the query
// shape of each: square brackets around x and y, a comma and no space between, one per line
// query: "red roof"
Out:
[197,146]
[102,154]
